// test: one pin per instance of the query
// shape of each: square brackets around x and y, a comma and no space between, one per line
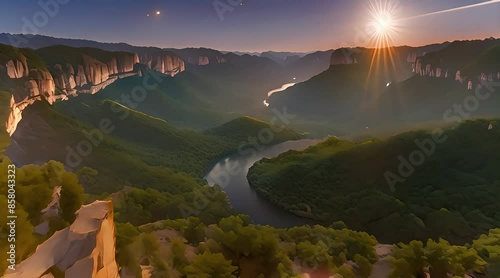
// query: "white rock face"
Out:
[39,84]
[203,60]
[412,57]
[90,76]
[166,63]
[438,72]
[17,68]
[85,249]
[418,66]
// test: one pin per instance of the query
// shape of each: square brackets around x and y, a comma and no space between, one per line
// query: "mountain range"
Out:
[139,127]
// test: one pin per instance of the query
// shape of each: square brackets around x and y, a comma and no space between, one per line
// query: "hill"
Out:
[125,146]
[450,194]
[239,129]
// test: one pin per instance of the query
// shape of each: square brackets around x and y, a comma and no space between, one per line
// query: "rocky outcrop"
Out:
[53,209]
[40,83]
[163,62]
[200,56]
[344,56]
[31,85]
[84,249]
[438,72]
[92,74]
[88,71]
[17,68]
[203,60]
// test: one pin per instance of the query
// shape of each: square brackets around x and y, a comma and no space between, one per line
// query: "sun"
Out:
[383,25]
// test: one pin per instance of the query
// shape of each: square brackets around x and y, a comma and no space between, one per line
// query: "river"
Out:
[243,198]
[282,88]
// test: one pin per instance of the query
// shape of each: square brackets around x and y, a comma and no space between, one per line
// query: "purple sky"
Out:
[256,25]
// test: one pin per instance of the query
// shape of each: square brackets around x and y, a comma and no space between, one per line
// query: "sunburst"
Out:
[384,24]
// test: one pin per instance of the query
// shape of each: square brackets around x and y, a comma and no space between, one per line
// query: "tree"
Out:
[446,259]
[71,196]
[439,257]
[365,267]
[408,260]
[178,254]
[208,265]
[488,247]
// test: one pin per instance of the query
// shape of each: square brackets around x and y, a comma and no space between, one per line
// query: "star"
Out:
[157,12]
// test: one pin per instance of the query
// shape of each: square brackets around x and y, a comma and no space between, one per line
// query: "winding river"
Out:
[231,174]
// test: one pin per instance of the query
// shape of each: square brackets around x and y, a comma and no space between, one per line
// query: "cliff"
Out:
[345,56]
[84,249]
[163,62]
[468,62]
[200,56]
[56,72]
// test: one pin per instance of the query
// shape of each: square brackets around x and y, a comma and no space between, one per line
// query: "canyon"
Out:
[59,72]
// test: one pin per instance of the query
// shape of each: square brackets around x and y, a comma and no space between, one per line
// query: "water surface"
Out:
[231,174]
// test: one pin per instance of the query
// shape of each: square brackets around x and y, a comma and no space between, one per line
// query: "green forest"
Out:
[453,195]
[224,244]
[141,151]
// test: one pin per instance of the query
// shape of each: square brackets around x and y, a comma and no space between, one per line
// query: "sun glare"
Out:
[383,25]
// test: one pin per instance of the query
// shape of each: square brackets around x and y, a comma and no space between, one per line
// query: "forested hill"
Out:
[170,159]
[451,194]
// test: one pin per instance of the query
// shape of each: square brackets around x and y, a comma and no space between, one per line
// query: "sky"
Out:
[252,25]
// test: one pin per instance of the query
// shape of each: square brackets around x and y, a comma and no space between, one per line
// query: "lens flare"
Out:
[384,25]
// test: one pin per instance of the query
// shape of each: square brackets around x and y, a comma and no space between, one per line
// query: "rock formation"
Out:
[17,68]
[203,60]
[163,62]
[200,56]
[53,209]
[84,249]
[89,71]
[344,56]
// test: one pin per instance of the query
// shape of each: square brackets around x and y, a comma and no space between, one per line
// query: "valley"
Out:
[142,161]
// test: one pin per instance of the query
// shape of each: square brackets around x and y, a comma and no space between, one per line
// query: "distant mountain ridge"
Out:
[388,87]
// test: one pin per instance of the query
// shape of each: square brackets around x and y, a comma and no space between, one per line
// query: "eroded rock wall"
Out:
[84,249]
[57,81]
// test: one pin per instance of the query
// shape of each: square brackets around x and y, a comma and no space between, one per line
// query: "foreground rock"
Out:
[84,249]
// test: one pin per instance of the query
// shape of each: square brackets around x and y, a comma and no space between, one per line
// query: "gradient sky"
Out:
[257,25]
